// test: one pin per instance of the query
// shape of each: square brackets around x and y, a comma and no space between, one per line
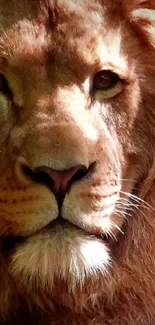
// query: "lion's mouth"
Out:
[60,222]
[10,242]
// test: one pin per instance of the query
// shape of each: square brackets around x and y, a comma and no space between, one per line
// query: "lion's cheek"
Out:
[25,211]
[93,212]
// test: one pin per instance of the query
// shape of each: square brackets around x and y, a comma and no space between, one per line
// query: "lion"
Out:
[77,168]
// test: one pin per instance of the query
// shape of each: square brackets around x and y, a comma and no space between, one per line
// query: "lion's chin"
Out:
[63,252]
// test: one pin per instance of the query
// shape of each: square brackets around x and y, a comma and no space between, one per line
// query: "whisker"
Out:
[124,180]
[129,207]
[117,227]
[137,199]
[122,213]
[130,204]
[112,235]
[127,203]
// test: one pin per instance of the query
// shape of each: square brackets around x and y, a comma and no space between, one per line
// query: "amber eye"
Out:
[105,80]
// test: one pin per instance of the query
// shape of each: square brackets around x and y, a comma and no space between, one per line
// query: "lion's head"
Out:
[77,151]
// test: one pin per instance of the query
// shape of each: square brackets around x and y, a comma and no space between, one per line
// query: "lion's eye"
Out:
[4,87]
[105,80]
[107,83]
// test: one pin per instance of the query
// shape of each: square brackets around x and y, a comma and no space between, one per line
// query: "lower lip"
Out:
[61,223]
[10,242]
[58,222]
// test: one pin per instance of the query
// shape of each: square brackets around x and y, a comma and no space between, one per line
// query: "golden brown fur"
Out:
[68,273]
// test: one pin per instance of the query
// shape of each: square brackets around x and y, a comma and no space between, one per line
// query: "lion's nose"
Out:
[56,180]
[61,178]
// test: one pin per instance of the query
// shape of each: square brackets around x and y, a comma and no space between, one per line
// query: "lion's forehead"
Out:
[60,36]
[51,12]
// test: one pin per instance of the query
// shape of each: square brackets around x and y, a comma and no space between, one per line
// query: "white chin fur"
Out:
[66,253]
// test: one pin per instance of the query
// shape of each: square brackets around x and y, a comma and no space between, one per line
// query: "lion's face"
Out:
[72,137]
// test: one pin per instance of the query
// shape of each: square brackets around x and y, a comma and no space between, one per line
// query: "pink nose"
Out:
[61,178]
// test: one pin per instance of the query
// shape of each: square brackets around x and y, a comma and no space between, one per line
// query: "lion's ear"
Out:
[142,14]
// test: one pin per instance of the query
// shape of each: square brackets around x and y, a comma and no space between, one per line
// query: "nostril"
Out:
[56,180]
[61,179]
[37,176]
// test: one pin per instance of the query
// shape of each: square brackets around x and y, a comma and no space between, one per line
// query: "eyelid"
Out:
[124,74]
[108,94]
